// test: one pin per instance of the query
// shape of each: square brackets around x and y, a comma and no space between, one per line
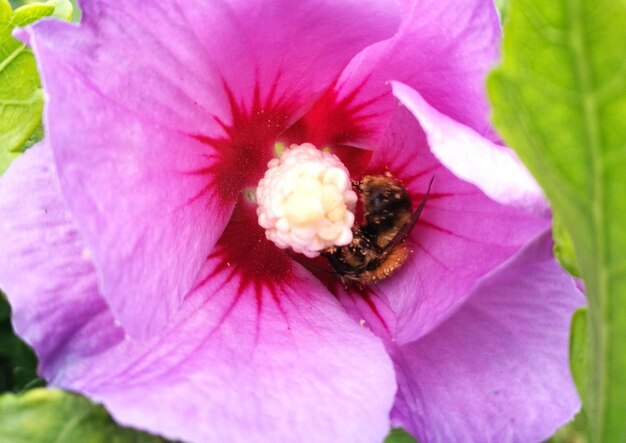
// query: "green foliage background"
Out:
[559,99]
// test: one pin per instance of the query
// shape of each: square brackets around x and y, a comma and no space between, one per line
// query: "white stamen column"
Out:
[305,201]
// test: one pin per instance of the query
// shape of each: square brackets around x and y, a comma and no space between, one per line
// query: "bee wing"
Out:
[406,229]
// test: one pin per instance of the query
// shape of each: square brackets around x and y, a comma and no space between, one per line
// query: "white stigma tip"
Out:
[305,201]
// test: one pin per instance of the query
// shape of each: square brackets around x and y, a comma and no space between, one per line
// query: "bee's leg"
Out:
[345,282]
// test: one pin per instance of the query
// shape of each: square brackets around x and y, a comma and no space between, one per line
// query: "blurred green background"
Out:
[18,3]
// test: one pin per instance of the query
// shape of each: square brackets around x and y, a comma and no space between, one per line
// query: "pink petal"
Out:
[495,169]
[154,124]
[296,369]
[147,218]
[457,46]
[498,369]
[301,47]
[370,309]
[442,50]
[45,270]
[461,236]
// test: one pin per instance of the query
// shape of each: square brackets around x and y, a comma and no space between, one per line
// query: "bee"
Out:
[377,249]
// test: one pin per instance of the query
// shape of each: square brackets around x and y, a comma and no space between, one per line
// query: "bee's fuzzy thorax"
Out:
[377,249]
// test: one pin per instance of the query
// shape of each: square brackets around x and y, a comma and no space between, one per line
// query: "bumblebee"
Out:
[377,248]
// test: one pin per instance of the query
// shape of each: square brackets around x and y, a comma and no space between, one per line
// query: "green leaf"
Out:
[560,100]
[564,248]
[398,435]
[21,97]
[63,9]
[18,363]
[573,432]
[579,350]
[503,6]
[43,415]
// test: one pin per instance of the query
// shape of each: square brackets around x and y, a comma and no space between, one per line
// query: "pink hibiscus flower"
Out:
[137,270]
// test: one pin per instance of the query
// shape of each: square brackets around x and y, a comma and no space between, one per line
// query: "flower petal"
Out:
[301,47]
[368,308]
[142,100]
[146,217]
[461,236]
[442,50]
[248,361]
[498,369]
[495,169]
[48,278]
[457,47]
